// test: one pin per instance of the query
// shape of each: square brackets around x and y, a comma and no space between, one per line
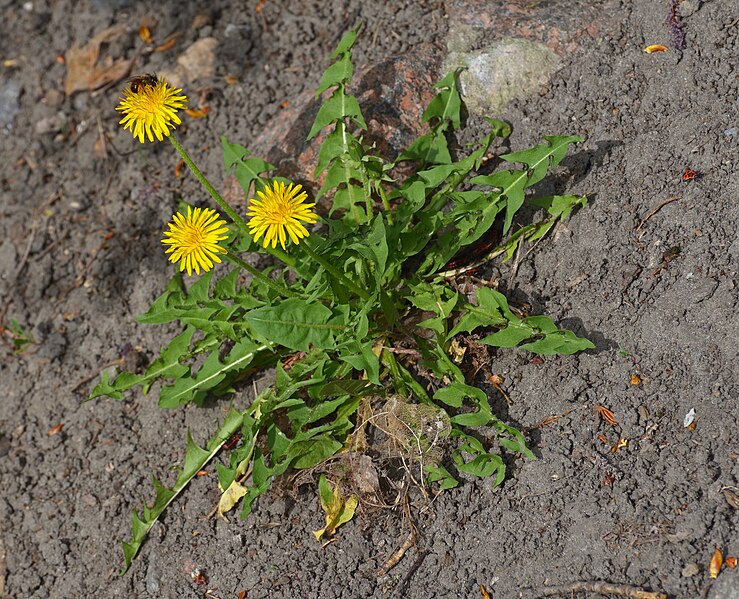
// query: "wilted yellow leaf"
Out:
[231,497]
[339,510]
[716,561]
[655,48]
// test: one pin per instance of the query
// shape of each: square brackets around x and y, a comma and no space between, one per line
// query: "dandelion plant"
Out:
[358,311]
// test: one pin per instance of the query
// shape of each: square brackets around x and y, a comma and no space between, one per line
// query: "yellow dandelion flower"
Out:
[149,106]
[193,239]
[279,209]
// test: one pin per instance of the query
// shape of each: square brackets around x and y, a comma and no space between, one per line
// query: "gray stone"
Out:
[493,76]
[9,106]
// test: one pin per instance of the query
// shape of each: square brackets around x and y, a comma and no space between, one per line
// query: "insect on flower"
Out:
[148,79]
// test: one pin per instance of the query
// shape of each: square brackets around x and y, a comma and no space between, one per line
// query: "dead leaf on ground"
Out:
[145,35]
[730,561]
[622,444]
[606,414]
[231,497]
[651,49]
[55,429]
[83,72]
[484,592]
[339,510]
[197,113]
[716,561]
[731,494]
[168,43]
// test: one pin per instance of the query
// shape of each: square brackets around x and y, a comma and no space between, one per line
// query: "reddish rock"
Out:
[392,96]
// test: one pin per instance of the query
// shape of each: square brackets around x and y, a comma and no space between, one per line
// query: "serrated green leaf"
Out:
[437,473]
[560,342]
[248,169]
[347,42]
[339,73]
[195,459]
[447,104]
[295,324]
[339,106]
[513,183]
[544,156]
[168,365]
[213,371]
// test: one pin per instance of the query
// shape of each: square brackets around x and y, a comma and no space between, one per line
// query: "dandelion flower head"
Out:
[149,106]
[193,239]
[278,213]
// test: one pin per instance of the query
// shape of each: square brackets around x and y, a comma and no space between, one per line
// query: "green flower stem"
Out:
[386,204]
[258,274]
[209,188]
[240,222]
[334,271]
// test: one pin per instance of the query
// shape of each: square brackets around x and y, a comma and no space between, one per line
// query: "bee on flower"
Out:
[149,106]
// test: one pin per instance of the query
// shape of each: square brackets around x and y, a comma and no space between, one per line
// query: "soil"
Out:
[80,257]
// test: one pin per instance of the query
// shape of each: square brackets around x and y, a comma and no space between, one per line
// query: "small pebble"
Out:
[691,570]
[731,132]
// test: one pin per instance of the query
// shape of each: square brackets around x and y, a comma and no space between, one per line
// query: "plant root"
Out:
[602,588]
[409,542]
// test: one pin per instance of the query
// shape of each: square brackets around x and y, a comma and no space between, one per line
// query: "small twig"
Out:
[602,588]
[656,209]
[548,420]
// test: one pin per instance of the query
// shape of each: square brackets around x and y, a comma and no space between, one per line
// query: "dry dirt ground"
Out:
[80,258]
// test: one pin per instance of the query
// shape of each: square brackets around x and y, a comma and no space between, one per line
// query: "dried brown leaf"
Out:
[606,414]
[82,72]
[716,561]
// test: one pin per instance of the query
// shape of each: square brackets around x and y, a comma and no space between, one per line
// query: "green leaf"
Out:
[351,387]
[339,106]
[363,358]
[347,42]
[561,342]
[314,451]
[437,473]
[247,169]
[295,324]
[339,73]
[195,460]
[538,160]
[510,336]
[544,156]
[212,373]
[447,104]
[168,365]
